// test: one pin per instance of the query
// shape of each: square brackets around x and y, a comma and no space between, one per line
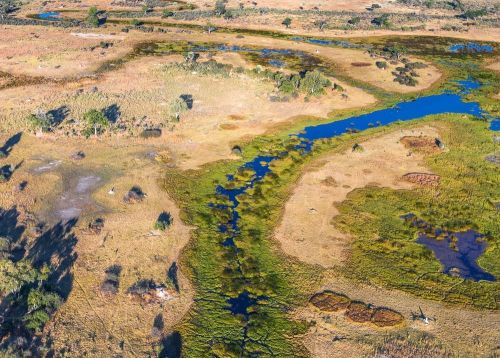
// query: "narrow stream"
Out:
[427,105]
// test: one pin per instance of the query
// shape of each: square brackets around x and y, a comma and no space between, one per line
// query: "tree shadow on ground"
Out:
[171,346]
[58,115]
[55,248]
[112,113]
[12,232]
[10,143]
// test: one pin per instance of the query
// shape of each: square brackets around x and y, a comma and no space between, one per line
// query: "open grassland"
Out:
[93,321]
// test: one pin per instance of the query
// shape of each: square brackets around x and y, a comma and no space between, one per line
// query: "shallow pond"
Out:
[470,47]
[49,15]
[77,198]
[458,252]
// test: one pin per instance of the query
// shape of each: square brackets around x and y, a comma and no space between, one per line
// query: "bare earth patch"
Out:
[306,231]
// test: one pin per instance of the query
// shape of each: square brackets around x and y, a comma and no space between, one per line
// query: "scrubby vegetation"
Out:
[386,252]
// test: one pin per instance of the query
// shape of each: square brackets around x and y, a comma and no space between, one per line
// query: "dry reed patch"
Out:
[305,231]
[424,144]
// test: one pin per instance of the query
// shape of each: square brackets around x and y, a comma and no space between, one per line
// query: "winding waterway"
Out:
[447,102]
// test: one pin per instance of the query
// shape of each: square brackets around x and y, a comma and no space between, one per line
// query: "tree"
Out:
[321,24]
[314,83]
[178,106]
[41,304]
[96,121]
[220,7]
[92,18]
[40,121]
[13,276]
[287,22]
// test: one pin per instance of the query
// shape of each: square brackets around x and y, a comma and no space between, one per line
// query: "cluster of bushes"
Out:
[311,83]
[112,280]
[406,75]
[95,122]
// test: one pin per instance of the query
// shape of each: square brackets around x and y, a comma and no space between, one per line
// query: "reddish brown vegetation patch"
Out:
[361,64]
[356,311]
[330,301]
[421,143]
[359,312]
[423,179]
[384,317]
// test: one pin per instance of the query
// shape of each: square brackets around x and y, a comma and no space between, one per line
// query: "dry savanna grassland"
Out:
[124,129]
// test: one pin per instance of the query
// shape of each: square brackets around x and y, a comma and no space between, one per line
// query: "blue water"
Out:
[324,42]
[276,63]
[50,15]
[495,125]
[470,47]
[459,250]
[428,105]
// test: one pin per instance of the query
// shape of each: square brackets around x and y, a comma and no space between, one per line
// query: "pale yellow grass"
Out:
[306,231]
[143,88]
[89,322]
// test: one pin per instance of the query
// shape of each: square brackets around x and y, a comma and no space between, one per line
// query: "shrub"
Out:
[96,122]
[354,20]
[314,83]
[92,18]
[220,7]
[142,287]
[40,121]
[136,22]
[381,21]
[178,106]
[167,13]
[134,195]
[112,280]
[287,22]
[381,64]
[164,221]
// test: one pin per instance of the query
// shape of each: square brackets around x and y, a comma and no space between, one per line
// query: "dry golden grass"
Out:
[90,322]
[305,230]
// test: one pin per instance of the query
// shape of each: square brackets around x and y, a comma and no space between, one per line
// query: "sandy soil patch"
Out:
[462,331]
[90,322]
[494,65]
[306,231]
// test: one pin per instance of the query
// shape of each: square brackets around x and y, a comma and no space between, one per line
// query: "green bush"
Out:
[92,18]
[164,221]
[96,122]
